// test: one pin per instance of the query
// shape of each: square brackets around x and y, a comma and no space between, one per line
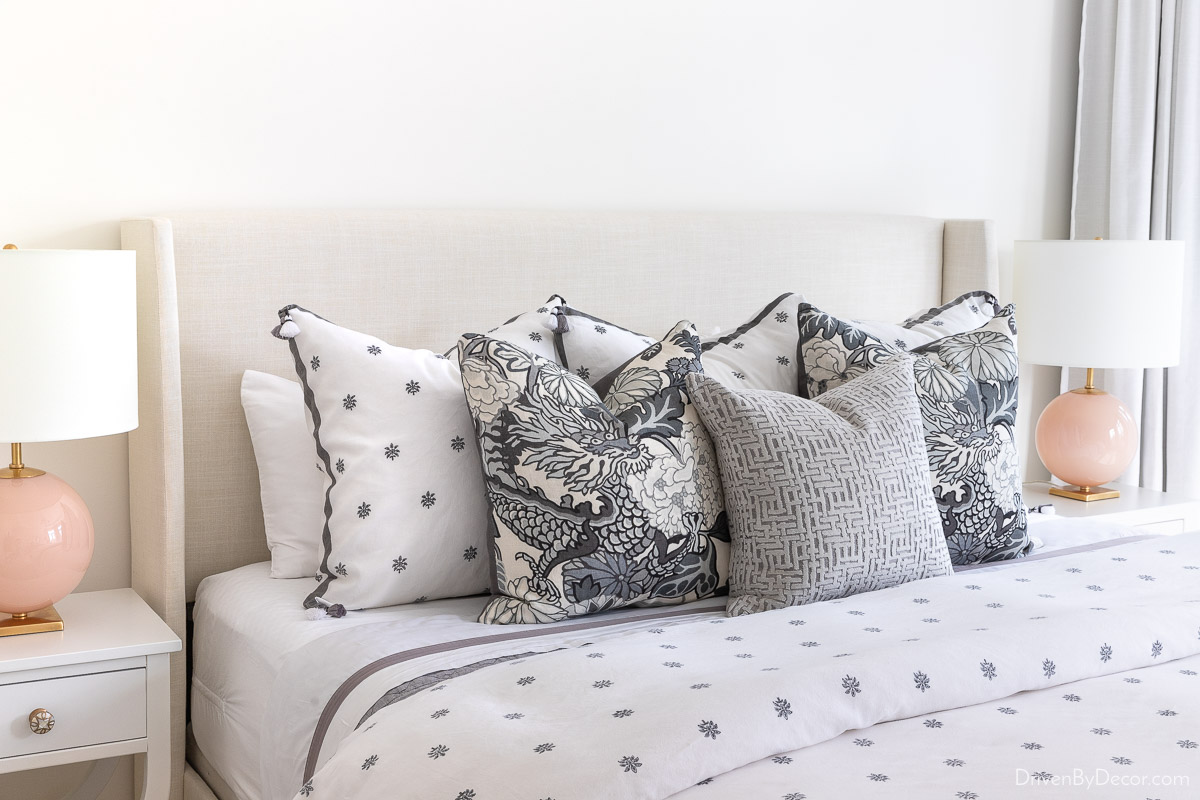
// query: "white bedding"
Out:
[263,673]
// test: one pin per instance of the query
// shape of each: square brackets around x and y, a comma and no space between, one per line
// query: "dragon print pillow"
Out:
[595,504]
[966,383]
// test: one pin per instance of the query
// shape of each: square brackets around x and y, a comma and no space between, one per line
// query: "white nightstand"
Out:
[104,683]
[1152,511]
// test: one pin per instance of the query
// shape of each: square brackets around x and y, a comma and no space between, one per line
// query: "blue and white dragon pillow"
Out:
[966,383]
[595,504]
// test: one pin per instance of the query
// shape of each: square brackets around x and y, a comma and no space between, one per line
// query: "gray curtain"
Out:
[1137,176]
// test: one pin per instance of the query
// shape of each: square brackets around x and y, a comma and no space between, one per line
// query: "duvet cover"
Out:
[1076,675]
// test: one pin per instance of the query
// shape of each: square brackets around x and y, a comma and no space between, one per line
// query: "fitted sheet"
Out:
[257,693]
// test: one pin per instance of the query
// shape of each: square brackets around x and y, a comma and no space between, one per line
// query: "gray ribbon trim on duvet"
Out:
[350,684]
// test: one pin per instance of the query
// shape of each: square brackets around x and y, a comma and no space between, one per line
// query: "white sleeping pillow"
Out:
[407,514]
[291,482]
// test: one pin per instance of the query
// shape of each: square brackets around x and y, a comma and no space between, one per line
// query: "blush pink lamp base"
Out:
[1086,437]
[46,540]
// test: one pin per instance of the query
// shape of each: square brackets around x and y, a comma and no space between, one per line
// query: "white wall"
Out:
[109,110]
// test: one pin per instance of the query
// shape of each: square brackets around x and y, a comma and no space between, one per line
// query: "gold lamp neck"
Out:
[17,468]
[1091,379]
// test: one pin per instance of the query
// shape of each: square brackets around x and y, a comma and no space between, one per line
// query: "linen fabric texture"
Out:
[966,383]
[826,498]
[290,479]
[595,504]
[404,509]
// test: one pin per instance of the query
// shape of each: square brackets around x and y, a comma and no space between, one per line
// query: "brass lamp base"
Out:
[43,621]
[1085,493]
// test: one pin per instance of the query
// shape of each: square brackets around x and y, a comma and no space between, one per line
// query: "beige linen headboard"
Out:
[209,286]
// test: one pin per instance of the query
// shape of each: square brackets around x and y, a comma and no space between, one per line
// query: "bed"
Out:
[207,282]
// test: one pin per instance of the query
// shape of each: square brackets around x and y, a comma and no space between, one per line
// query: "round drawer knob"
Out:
[40,721]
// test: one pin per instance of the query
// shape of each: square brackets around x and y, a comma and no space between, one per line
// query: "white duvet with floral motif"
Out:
[964,669]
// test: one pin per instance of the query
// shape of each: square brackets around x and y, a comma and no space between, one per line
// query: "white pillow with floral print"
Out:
[595,504]
[405,515]
[761,354]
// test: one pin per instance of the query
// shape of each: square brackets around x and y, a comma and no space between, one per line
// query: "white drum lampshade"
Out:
[68,370]
[1096,304]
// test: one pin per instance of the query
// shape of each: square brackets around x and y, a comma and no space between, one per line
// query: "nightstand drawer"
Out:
[87,709]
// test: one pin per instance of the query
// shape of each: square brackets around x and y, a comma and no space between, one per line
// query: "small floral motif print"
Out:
[340,466]
[470,554]
[428,500]
[595,655]
[315,363]
[1187,672]
[1102,731]
[782,316]
[857,613]
[340,569]
[851,685]
[514,715]
[306,789]
[783,709]
[1047,596]
[733,638]
[873,630]
[1166,712]
[1187,744]
[602,684]
[630,763]
[967,796]
[413,387]
[782,759]
[1105,652]
[364,510]
[1048,668]
[795,796]
[585,373]
[1074,570]
[973,587]
[933,723]
[600,329]
[441,712]
[954,762]
[370,762]
[741,376]
[988,669]
[921,680]
[458,444]
[810,644]
[349,402]
[374,350]
[668,647]
[863,742]
[391,452]
[656,630]
[1006,710]
[900,344]
[1146,577]
[535,337]
[672,664]
[701,685]
[709,729]
[796,622]
[745,655]
[995,605]
[528,679]
[1124,762]
[931,620]
[437,751]
[399,564]
[1042,776]
[465,794]
[1133,680]
[920,600]
[878,777]
[937,323]
[738,345]
[1167,552]
[1096,588]
[623,713]
[544,747]
[1156,649]
[1032,746]
[1072,698]
[783,361]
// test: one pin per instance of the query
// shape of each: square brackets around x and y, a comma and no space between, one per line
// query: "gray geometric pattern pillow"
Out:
[595,504]
[826,498]
[967,387]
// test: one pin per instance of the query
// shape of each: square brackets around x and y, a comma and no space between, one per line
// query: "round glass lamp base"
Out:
[1086,437]
[46,540]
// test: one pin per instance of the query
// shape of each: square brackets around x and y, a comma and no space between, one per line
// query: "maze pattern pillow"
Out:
[967,386]
[405,515]
[826,498]
[595,504]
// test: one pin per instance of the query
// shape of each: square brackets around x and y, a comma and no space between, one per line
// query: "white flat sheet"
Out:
[254,706]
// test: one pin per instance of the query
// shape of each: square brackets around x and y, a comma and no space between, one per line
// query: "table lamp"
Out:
[68,370]
[1097,304]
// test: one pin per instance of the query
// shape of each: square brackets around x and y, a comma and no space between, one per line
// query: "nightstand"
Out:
[1152,511]
[97,690]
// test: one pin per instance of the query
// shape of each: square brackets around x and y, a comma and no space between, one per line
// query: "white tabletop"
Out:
[98,626]
[1133,498]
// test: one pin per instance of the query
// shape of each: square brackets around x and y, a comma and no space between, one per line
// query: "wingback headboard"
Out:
[209,286]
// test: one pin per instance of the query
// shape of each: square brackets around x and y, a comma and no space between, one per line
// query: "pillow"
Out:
[290,479]
[826,498]
[405,513]
[967,387]
[761,354]
[594,505]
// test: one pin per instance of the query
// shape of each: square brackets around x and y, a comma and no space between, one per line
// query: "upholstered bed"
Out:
[209,287]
